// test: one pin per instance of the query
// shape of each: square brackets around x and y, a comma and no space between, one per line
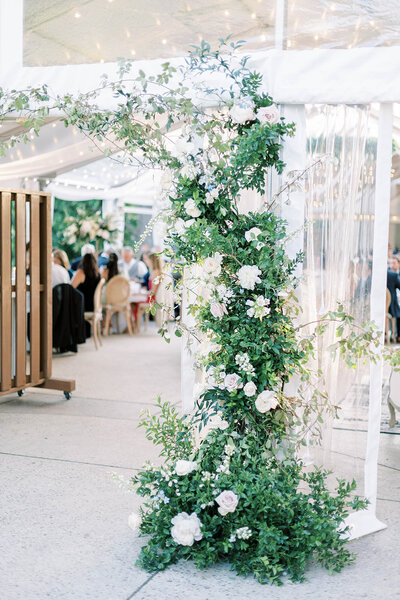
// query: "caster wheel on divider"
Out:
[67,395]
[20,393]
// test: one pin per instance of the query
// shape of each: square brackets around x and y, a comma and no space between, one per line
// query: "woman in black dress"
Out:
[85,280]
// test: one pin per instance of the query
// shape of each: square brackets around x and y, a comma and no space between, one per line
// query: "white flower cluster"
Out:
[224,294]
[217,422]
[259,307]
[211,195]
[243,361]
[224,466]
[229,449]
[242,533]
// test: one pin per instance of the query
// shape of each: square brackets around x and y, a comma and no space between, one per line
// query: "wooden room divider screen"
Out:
[26,293]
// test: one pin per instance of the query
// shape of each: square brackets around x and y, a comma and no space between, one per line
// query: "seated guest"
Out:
[104,256]
[60,258]
[111,268]
[86,249]
[131,267]
[147,262]
[393,284]
[85,280]
[58,274]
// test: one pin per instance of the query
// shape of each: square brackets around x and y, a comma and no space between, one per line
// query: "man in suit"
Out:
[132,268]
[393,284]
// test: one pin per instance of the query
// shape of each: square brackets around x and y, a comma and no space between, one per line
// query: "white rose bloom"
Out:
[250,389]
[189,223]
[212,264]
[186,529]
[184,467]
[249,276]
[218,310]
[240,113]
[191,208]
[266,401]
[268,115]
[227,501]
[134,521]
[232,382]
[252,234]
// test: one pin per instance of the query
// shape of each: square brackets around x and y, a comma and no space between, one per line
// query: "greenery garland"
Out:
[232,487]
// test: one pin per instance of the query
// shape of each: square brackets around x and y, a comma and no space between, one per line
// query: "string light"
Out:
[77,15]
[133,52]
[164,41]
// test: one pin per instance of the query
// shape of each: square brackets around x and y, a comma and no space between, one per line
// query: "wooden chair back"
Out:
[118,291]
[97,296]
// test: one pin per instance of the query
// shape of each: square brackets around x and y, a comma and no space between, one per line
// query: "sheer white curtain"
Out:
[339,207]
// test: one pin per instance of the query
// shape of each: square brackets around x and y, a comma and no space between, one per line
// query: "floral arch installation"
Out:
[232,486]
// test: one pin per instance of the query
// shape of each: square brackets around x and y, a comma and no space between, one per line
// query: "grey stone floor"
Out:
[63,519]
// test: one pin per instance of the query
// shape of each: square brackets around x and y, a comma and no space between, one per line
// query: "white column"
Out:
[365,521]
[11,36]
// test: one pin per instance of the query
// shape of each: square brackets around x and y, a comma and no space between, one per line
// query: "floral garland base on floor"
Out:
[232,487]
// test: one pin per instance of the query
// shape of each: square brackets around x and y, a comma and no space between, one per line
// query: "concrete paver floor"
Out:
[63,518]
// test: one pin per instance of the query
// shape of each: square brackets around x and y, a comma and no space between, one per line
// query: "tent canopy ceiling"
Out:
[60,32]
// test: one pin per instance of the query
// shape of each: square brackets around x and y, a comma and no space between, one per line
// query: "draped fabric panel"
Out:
[338,263]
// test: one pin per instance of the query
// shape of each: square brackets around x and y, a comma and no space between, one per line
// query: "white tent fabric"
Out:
[357,75]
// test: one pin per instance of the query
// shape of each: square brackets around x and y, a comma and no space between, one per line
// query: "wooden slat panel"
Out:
[46,317]
[34,272]
[5,289]
[20,290]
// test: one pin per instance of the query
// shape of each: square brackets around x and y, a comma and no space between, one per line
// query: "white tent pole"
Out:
[11,34]
[378,293]
[280,24]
